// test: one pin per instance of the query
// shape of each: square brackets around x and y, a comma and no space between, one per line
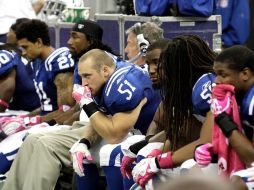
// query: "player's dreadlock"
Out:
[185,59]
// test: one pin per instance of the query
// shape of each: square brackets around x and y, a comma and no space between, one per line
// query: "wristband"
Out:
[157,163]
[90,109]
[86,142]
[4,103]
[51,122]
[148,137]
[64,108]
[137,146]
[226,124]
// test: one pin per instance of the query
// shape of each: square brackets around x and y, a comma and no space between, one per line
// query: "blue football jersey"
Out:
[58,61]
[7,62]
[24,97]
[202,94]
[124,90]
[76,78]
[247,108]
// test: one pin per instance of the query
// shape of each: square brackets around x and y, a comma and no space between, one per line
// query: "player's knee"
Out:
[110,155]
[32,138]
[43,144]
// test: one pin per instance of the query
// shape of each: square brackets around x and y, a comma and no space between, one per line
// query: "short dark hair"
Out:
[32,30]
[159,44]
[237,57]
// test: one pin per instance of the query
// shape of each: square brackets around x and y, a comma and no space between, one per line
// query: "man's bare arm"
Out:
[114,129]
[38,5]
[91,135]
[7,83]
[186,152]
[64,85]
[243,147]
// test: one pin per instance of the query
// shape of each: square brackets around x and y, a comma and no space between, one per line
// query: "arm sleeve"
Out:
[7,62]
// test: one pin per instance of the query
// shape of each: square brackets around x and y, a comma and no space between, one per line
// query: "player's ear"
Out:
[39,42]
[245,74]
[106,71]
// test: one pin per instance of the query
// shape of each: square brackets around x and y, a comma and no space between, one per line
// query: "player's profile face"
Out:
[77,42]
[226,75]
[131,48]
[91,77]
[29,49]
[152,60]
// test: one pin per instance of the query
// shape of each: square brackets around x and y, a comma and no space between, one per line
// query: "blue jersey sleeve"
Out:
[76,78]
[126,88]
[202,94]
[60,61]
[247,108]
[7,62]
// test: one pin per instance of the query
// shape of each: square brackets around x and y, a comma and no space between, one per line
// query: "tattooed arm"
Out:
[64,85]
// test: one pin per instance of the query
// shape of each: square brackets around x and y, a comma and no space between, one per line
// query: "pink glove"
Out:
[130,156]
[147,167]
[82,95]
[203,154]
[13,125]
[126,166]
[79,152]
[221,100]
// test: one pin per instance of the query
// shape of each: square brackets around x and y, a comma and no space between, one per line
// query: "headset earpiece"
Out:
[142,42]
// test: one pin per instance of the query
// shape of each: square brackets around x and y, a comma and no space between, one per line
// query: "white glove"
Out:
[82,95]
[79,153]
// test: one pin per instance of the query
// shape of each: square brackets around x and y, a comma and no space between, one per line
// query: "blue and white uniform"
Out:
[124,90]
[247,117]
[24,97]
[202,95]
[247,108]
[201,100]
[57,62]
[76,78]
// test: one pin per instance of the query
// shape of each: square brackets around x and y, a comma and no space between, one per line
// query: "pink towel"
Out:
[224,100]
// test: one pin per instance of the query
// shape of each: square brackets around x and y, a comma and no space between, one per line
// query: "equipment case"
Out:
[115,25]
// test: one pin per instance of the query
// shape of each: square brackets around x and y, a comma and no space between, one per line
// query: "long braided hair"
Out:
[184,61]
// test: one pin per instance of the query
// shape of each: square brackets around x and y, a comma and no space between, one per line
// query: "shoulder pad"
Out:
[7,61]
